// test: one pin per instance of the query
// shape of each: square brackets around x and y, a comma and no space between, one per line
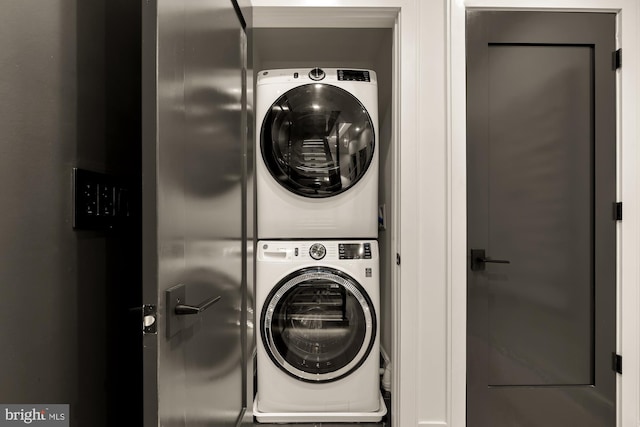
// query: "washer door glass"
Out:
[318,324]
[317,140]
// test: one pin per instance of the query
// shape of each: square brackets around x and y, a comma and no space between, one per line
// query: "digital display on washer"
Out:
[354,250]
[354,75]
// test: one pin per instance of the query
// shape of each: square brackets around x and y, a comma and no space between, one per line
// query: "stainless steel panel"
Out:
[246,8]
[193,163]
[249,223]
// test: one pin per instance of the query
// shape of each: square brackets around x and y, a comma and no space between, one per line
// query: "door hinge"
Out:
[617,59]
[397,259]
[616,362]
[617,211]
[149,319]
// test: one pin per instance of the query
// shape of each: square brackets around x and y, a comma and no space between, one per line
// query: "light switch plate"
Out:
[100,201]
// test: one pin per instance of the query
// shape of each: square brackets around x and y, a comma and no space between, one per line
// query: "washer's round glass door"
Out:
[318,324]
[317,140]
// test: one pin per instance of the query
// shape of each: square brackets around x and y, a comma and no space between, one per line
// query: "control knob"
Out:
[317,251]
[317,74]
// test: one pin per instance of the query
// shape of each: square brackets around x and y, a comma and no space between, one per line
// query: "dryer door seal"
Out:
[318,324]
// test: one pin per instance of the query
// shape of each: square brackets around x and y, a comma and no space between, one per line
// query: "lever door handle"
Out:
[182,309]
[176,308]
[478,260]
[497,261]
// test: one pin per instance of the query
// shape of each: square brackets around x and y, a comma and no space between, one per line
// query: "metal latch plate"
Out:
[149,319]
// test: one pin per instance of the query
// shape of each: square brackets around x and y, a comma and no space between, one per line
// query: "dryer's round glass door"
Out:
[317,140]
[318,324]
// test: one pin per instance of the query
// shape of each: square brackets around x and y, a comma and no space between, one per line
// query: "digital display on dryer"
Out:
[354,250]
[354,75]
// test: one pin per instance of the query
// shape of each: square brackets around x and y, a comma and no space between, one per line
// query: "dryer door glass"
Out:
[317,140]
[318,324]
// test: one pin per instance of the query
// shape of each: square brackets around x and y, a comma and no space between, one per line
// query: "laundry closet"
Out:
[200,110]
[349,54]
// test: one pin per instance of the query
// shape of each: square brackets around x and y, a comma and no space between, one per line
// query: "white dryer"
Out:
[318,355]
[317,166]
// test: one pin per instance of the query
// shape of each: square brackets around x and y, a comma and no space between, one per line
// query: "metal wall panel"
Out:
[250,223]
[193,158]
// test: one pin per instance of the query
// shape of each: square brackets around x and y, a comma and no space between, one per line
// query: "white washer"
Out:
[317,165]
[318,352]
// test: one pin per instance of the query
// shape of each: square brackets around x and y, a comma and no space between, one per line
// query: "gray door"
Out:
[541,232]
[194,228]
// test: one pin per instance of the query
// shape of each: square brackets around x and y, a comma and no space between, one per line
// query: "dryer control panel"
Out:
[316,75]
[354,75]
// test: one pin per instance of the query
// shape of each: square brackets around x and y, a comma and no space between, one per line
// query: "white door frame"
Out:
[402,16]
[628,311]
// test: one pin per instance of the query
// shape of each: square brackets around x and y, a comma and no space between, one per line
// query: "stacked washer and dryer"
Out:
[317,264]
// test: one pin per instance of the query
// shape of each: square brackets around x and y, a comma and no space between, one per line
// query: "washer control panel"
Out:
[324,250]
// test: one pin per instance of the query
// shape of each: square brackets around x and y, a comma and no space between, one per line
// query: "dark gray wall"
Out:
[58,302]
[40,326]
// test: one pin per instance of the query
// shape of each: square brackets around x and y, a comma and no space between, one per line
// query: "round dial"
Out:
[317,74]
[317,251]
